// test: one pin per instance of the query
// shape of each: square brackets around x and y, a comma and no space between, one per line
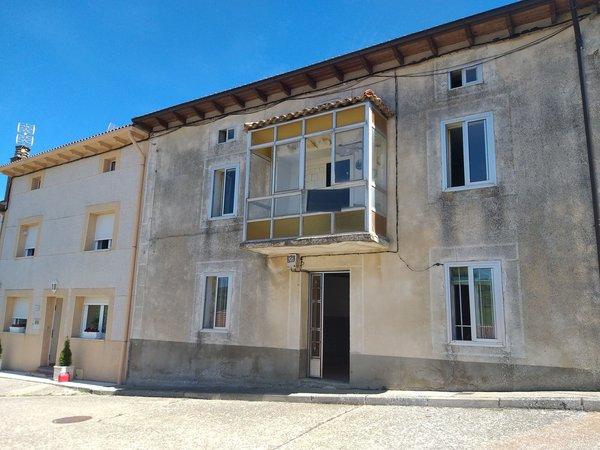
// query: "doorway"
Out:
[329,346]
[51,330]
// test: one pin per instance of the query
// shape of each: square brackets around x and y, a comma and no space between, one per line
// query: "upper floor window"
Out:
[216,299]
[226,135]
[36,183]
[474,302]
[465,77]
[100,231]
[468,154]
[224,189]
[109,164]
[28,238]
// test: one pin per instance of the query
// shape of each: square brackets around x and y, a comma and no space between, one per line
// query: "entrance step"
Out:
[44,371]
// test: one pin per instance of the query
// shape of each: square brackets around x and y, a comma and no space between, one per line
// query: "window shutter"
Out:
[31,237]
[20,309]
[104,227]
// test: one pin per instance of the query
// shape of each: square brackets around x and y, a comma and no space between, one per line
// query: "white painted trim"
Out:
[463,75]
[497,276]
[488,117]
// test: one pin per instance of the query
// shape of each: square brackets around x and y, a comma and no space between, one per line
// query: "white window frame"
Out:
[463,75]
[227,138]
[496,267]
[224,168]
[100,321]
[96,242]
[214,329]
[488,117]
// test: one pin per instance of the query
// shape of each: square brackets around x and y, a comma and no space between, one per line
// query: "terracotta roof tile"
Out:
[367,95]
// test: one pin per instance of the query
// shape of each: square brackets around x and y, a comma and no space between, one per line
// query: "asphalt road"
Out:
[29,412]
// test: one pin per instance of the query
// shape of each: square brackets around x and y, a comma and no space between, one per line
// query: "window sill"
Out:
[470,187]
[104,250]
[215,330]
[25,257]
[230,216]
[495,344]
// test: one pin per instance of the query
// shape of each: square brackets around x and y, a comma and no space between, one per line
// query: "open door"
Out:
[54,331]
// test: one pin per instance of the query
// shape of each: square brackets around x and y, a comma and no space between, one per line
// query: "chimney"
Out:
[21,152]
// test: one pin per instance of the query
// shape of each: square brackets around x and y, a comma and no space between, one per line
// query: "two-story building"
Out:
[417,214]
[67,253]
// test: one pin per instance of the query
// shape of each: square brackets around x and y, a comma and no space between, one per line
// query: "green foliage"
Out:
[65,355]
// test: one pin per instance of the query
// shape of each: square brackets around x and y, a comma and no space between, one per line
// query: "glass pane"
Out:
[209,302]
[348,221]
[287,206]
[477,151]
[379,171]
[319,123]
[259,209]
[217,200]
[461,308]
[356,196]
[379,223]
[258,230]
[380,123]
[221,309]
[316,225]
[261,168]
[349,155]
[380,201]
[327,200]
[455,158]
[283,228]
[484,303]
[350,116]
[455,79]
[318,162]
[262,136]
[229,195]
[104,319]
[471,74]
[92,321]
[230,134]
[287,167]
[289,130]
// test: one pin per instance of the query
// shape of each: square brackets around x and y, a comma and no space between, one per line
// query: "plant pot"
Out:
[64,369]
[16,329]
[91,335]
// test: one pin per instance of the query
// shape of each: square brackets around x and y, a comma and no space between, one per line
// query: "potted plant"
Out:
[64,362]
[92,332]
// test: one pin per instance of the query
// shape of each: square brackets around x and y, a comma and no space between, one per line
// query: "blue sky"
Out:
[72,69]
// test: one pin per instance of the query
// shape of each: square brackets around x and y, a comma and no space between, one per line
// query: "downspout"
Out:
[125,361]
[587,126]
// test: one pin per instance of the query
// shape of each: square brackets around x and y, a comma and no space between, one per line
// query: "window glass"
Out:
[287,206]
[261,167]
[287,167]
[36,182]
[379,170]
[262,136]
[317,224]
[456,165]
[230,134]
[104,230]
[31,233]
[229,194]
[318,161]
[222,136]
[93,323]
[223,200]
[289,227]
[380,123]
[455,79]
[215,302]
[477,151]
[471,74]
[258,230]
[349,155]
[319,123]
[484,303]
[461,312]
[259,209]
[289,130]
[221,307]
[350,116]
[349,221]
[19,314]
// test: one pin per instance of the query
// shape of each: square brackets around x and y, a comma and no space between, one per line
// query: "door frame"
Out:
[49,333]
[322,273]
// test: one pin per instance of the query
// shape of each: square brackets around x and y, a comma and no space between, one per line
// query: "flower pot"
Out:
[16,329]
[91,335]
[64,369]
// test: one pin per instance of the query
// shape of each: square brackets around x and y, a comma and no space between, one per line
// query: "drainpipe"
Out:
[125,361]
[587,126]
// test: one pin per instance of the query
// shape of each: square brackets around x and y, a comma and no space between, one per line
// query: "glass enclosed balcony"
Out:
[318,181]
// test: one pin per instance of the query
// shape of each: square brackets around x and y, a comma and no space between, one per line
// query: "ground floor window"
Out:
[95,318]
[20,312]
[216,299]
[474,301]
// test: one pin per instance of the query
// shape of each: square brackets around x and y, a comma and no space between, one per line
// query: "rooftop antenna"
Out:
[111,126]
[25,132]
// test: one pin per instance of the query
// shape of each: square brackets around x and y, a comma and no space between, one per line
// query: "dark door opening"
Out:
[336,326]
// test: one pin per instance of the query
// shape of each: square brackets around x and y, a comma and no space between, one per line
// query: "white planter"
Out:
[16,329]
[64,369]
[91,335]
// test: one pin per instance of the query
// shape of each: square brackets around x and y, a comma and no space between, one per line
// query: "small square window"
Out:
[465,76]
[226,135]
[216,299]
[109,165]
[474,299]
[36,183]
[224,192]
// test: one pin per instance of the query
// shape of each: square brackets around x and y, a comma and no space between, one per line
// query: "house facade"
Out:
[67,254]
[418,214]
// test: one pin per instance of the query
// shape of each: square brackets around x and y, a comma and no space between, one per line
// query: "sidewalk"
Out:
[565,400]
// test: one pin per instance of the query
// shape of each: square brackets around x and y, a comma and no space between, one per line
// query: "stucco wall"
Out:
[63,203]
[536,221]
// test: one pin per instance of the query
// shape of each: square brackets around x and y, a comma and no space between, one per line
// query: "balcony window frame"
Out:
[367,182]
[490,151]
[499,326]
